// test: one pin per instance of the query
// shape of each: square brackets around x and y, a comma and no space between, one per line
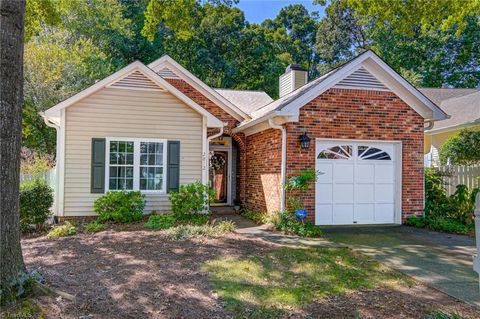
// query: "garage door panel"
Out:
[364,193]
[384,193]
[343,193]
[365,173]
[325,172]
[384,213]
[324,214]
[364,213]
[384,173]
[343,173]
[343,214]
[324,193]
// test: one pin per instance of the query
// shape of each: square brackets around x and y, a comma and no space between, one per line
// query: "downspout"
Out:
[284,161]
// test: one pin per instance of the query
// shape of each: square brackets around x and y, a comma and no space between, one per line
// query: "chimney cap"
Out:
[294,67]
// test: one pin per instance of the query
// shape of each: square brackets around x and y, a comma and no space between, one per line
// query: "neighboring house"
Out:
[152,128]
[463,107]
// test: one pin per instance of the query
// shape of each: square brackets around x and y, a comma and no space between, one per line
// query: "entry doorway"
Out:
[220,170]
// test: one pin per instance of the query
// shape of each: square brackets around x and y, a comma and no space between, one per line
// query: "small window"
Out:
[121,165]
[336,152]
[372,153]
[151,166]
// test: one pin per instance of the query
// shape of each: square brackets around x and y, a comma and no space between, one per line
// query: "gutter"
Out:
[284,161]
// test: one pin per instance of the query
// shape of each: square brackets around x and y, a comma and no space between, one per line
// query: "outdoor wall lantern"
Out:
[305,141]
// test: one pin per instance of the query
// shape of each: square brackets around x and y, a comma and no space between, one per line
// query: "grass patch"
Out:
[267,286]
[94,227]
[67,229]
[183,232]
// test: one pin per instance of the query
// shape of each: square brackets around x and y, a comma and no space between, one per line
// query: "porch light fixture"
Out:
[304,141]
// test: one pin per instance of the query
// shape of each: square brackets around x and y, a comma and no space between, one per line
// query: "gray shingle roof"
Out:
[463,106]
[247,101]
[437,95]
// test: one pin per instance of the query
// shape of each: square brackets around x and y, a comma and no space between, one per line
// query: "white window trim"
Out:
[136,163]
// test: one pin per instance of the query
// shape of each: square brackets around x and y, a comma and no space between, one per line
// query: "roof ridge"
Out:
[243,90]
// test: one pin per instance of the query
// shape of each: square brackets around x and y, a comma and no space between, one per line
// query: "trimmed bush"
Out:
[120,207]
[36,199]
[94,227]
[67,229]
[162,221]
[191,199]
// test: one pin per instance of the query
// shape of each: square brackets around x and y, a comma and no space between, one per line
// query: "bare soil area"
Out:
[143,274]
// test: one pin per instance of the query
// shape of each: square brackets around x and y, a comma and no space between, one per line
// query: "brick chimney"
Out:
[294,77]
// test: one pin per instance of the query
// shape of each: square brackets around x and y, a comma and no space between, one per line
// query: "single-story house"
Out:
[154,127]
[463,108]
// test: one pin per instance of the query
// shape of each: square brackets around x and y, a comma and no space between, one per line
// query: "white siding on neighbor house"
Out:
[127,113]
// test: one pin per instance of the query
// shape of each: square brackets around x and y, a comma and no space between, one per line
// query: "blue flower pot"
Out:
[301,214]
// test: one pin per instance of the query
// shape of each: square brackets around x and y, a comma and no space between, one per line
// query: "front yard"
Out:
[146,274]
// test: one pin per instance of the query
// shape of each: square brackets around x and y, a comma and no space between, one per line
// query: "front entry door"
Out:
[219,180]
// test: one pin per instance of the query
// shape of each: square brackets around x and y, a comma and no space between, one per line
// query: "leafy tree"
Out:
[11,86]
[461,149]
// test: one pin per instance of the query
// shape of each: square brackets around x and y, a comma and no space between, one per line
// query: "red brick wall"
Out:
[263,186]
[361,114]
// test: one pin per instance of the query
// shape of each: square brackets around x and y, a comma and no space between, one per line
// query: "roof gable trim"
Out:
[132,68]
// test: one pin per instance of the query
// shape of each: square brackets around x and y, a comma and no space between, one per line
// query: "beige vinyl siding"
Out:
[300,79]
[127,113]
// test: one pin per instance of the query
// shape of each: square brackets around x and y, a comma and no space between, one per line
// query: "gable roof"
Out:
[169,68]
[132,74]
[289,104]
[464,111]
[246,100]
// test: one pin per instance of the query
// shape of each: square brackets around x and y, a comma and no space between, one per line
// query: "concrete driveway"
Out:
[440,260]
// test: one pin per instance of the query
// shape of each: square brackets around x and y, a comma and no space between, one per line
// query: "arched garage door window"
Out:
[372,153]
[340,152]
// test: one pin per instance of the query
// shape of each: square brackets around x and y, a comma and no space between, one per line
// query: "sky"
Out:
[258,10]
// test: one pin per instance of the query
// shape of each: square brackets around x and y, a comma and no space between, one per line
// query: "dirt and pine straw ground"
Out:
[143,274]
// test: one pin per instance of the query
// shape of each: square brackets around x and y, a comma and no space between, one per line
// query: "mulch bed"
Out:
[143,274]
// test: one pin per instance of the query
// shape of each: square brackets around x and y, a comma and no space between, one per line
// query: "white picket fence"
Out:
[466,175]
[48,176]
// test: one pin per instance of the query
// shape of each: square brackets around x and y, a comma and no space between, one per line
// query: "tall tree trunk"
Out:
[11,99]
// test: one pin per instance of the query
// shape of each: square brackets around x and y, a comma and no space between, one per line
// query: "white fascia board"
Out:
[54,111]
[187,76]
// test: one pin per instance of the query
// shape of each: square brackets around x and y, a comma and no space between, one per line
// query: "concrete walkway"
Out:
[250,229]
[443,261]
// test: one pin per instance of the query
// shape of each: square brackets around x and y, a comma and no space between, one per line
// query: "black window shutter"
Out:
[97,184]
[173,166]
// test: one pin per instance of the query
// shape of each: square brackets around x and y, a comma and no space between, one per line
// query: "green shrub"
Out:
[121,206]
[162,221]
[94,227]
[197,219]
[444,224]
[416,221]
[36,199]
[183,232]
[287,223]
[67,229]
[443,315]
[462,204]
[191,199]
[436,198]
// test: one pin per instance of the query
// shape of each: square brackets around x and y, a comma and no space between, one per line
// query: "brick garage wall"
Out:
[367,115]
[263,186]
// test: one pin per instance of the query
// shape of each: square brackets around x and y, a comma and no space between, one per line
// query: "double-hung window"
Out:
[136,164]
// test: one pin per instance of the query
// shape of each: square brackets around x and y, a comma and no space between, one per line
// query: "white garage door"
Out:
[356,182]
